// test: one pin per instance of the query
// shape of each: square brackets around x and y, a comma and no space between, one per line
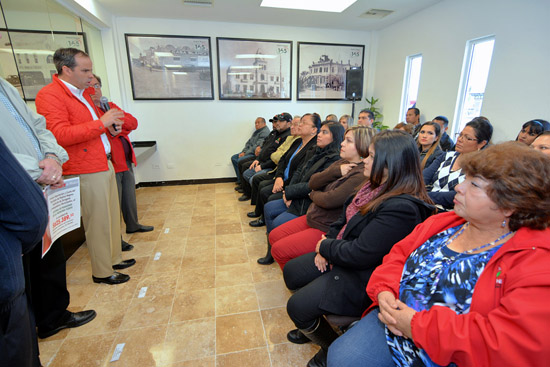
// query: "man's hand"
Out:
[254,164]
[113,116]
[257,151]
[241,154]
[278,185]
[258,168]
[112,130]
[51,172]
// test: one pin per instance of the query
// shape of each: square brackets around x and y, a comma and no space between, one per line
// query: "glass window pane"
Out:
[411,84]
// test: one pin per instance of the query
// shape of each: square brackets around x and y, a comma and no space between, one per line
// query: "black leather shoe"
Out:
[142,229]
[239,190]
[244,198]
[126,246]
[297,337]
[75,319]
[124,264]
[116,278]
[238,187]
[252,215]
[257,223]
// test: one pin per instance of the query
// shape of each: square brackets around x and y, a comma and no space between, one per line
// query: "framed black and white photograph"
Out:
[33,50]
[170,67]
[322,69]
[251,69]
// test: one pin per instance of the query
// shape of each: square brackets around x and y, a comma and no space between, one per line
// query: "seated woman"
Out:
[428,143]
[295,201]
[542,143]
[385,210]
[408,128]
[469,287]
[330,189]
[444,173]
[346,121]
[531,129]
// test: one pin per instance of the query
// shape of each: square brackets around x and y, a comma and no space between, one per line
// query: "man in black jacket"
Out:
[263,163]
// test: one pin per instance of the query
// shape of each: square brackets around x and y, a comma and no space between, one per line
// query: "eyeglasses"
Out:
[468,138]
[96,86]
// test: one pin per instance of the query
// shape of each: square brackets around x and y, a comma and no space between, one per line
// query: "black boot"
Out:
[267,259]
[322,334]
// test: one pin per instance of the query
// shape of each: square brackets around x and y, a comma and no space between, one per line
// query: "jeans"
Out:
[362,345]
[235,161]
[275,214]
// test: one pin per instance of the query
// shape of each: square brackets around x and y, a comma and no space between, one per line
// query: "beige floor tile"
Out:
[141,249]
[81,294]
[199,210]
[265,273]
[254,357]
[239,332]
[198,258]
[201,362]
[81,274]
[272,294]
[277,324]
[48,349]
[174,233]
[177,221]
[154,213]
[200,243]
[193,305]
[230,218]
[108,319]
[196,278]
[146,236]
[110,293]
[228,275]
[139,267]
[230,256]
[190,340]
[166,263]
[200,230]
[148,311]
[142,347]
[229,240]
[231,228]
[89,351]
[157,284]
[197,220]
[170,246]
[236,299]
[288,354]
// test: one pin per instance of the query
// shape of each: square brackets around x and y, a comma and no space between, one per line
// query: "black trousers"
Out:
[265,195]
[258,182]
[302,275]
[243,166]
[47,286]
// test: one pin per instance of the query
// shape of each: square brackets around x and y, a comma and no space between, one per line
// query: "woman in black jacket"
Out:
[332,280]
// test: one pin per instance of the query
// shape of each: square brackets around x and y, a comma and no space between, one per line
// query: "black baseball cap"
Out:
[282,117]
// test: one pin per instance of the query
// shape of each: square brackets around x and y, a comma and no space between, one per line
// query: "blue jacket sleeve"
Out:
[429,172]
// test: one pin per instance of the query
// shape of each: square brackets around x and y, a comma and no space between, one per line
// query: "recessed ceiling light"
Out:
[315,5]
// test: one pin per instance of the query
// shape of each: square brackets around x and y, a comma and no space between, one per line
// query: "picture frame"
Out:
[322,69]
[169,67]
[254,69]
[33,53]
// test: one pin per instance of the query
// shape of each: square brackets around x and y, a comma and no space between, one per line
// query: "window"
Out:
[475,72]
[410,84]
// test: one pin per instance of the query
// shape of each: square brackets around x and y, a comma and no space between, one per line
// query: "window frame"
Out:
[406,84]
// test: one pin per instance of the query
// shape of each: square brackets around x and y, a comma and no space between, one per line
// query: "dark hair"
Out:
[536,127]
[66,57]
[416,110]
[315,119]
[519,181]
[442,118]
[337,131]
[98,79]
[482,128]
[368,112]
[407,127]
[262,120]
[396,153]
[363,136]
[332,117]
[435,144]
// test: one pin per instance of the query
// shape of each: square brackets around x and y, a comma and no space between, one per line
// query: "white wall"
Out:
[198,137]
[518,86]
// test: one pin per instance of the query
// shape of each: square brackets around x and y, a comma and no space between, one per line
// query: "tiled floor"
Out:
[207,303]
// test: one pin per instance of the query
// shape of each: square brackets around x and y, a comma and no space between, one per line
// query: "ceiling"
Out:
[249,11]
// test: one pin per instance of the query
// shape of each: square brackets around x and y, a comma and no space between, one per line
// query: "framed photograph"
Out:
[33,50]
[322,69]
[252,69]
[170,67]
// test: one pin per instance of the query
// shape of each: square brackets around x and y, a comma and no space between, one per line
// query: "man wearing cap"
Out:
[73,119]
[281,130]
[252,146]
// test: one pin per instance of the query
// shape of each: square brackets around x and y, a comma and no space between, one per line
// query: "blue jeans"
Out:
[275,214]
[362,345]
[235,160]
[250,173]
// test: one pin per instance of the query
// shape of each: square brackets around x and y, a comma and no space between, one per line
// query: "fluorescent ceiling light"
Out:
[333,6]
[255,56]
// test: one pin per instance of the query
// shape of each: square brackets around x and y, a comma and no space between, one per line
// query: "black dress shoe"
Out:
[257,223]
[252,215]
[75,319]
[244,198]
[126,246]
[116,278]
[124,264]
[238,187]
[142,229]
[297,337]
[239,190]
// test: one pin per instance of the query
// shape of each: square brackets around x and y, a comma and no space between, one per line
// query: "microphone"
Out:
[104,102]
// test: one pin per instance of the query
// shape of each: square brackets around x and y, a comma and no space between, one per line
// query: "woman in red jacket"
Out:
[469,287]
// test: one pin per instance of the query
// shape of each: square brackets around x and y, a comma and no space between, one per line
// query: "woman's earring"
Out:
[503,223]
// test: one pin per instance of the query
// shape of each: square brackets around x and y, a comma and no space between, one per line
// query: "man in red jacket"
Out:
[73,119]
[123,158]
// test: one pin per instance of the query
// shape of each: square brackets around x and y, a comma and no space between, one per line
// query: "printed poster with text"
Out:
[64,211]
